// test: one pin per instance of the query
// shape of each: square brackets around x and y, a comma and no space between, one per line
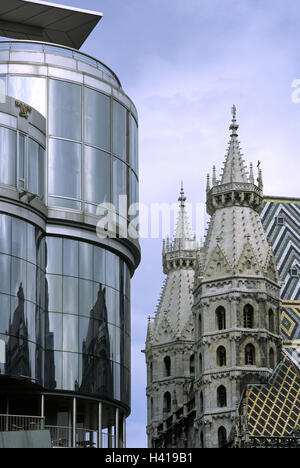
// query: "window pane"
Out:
[5,265]
[133,144]
[65,110]
[30,90]
[85,260]
[119,130]
[97,175]
[5,234]
[8,148]
[97,119]
[134,198]
[21,162]
[99,265]
[65,168]
[70,333]
[70,259]
[34,170]
[54,255]
[70,295]
[19,238]
[55,293]
[54,335]
[119,183]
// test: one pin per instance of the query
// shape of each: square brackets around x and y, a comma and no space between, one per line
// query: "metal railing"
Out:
[12,422]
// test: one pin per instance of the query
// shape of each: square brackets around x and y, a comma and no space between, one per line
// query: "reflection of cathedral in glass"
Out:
[17,349]
[97,374]
[69,142]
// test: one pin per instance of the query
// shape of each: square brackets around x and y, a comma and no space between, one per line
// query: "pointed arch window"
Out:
[222,436]
[221,396]
[200,324]
[167,403]
[221,318]
[167,366]
[248,316]
[200,363]
[201,440]
[271,358]
[271,321]
[151,408]
[151,372]
[201,401]
[250,355]
[221,356]
[192,366]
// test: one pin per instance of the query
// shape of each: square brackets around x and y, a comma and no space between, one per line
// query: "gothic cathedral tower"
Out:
[237,299]
[170,337]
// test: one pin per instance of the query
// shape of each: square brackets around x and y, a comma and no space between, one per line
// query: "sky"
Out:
[184,63]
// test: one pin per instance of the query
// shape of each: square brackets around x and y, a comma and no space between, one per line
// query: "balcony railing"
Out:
[12,422]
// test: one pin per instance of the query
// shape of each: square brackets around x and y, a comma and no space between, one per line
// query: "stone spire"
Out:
[234,169]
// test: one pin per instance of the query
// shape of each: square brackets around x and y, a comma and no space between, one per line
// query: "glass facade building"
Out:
[68,142]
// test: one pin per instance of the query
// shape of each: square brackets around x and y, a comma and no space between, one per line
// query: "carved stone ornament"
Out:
[24,109]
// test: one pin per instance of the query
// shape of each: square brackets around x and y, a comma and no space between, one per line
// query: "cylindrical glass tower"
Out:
[68,139]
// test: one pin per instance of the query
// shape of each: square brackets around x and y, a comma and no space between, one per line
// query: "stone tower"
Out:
[170,337]
[237,298]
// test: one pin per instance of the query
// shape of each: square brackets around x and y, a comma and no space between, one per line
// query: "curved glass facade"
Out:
[64,294]
[22,162]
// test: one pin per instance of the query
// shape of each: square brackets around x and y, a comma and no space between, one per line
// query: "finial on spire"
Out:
[208,183]
[234,126]
[214,177]
[233,111]
[182,197]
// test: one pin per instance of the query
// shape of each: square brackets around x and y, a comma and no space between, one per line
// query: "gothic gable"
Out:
[270,268]
[218,264]
[248,263]
[164,332]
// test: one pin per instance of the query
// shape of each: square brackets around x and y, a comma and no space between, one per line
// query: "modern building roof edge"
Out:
[65,7]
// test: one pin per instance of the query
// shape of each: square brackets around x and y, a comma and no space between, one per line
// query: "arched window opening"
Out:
[192,366]
[200,364]
[272,358]
[200,324]
[221,318]
[221,396]
[201,402]
[248,316]
[201,440]
[222,436]
[151,408]
[221,356]
[167,403]
[271,321]
[250,355]
[167,366]
[151,372]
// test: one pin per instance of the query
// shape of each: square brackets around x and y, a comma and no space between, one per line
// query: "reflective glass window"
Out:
[70,333]
[18,278]
[5,266]
[29,89]
[55,293]
[4,312]
[54,255]
[21,161]
[70,257]
[119,185]
[119,130]
[5,234]
[86,260]
[133,144]
[65,110]
[31,244]
[97,119]
[18,238]
[35,168]
[99,265]
[65,169]
[54,334]
[2,87]
[31,283]
[70,295]
[8,152]
[87,298]
[97,175]
[112,270]
[70,371]
[134,198]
